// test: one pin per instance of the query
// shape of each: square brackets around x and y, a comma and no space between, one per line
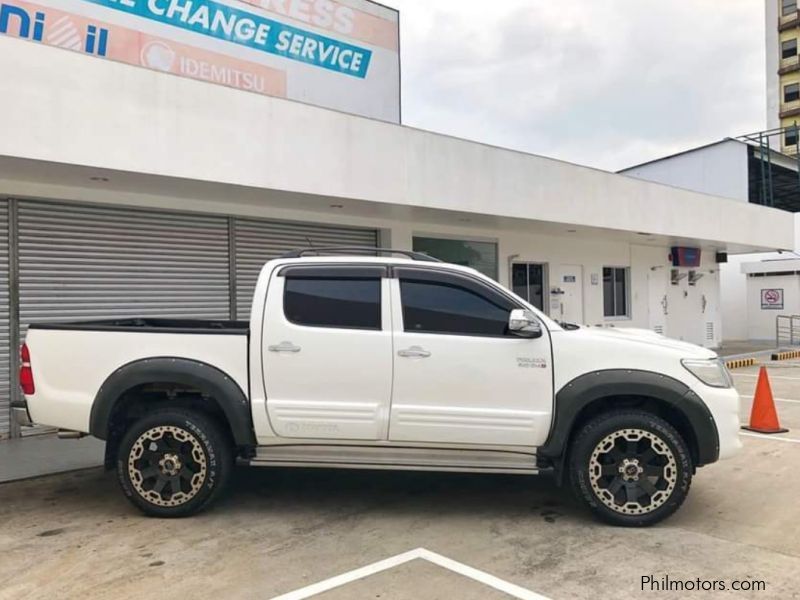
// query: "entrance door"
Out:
[680,321]
[459,376]
[528,282]
[708,290]
[328,352]
[657,303]
[568,286]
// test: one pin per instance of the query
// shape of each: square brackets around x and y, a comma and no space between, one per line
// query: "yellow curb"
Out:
[786,355]
[742,362]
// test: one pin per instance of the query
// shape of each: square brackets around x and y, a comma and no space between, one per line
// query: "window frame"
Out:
[783,48]
[468,240]
[462,280]
[627,294]
[345,272]
[797,92]
[786,133]
[545,281]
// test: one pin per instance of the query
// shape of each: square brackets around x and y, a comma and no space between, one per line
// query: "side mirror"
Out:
[524,324]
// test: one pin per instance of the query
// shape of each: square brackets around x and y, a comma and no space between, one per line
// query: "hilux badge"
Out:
[531,363]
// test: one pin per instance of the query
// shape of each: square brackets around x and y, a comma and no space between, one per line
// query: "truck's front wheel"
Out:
[630,467]
[173,462]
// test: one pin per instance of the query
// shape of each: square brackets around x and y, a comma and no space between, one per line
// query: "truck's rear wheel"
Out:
[630,467]
[173,462]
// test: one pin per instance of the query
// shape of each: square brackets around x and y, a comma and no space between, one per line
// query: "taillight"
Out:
[25,371]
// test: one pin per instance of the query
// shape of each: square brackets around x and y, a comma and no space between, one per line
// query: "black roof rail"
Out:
[359,250]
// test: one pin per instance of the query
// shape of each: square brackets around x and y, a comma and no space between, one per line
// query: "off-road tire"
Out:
[174,462]
[619,479]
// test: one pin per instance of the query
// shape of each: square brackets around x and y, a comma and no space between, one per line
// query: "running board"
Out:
[394,458]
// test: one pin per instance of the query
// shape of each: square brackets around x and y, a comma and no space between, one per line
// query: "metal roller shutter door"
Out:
[80,262]
[5,380]
[257,241]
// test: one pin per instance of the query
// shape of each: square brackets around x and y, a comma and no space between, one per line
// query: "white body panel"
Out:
[576,353]
[70,366]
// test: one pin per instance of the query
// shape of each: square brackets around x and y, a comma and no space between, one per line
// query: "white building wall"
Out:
[761,322]
[733,289]
[719,169]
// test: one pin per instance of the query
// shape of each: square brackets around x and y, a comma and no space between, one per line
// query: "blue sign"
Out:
[224,22]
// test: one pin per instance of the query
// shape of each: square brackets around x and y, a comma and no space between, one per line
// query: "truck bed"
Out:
[72,360]
[153,325]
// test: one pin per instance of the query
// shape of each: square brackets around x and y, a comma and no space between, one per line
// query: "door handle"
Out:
[284,347]
[413,352]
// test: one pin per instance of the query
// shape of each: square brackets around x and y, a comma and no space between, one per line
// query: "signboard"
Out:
[772,299]
[341,54]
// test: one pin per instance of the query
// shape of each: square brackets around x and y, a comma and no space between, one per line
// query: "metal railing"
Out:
[787,329]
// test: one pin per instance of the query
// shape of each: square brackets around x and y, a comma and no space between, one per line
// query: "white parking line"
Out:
[789,400]
[770,437]
[771,376]
[395,561]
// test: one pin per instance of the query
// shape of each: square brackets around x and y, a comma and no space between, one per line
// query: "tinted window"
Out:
[333,302]
[615,292]
[791,92]
[789,48]
[433,307]
[790,137]
[788,7]
[527,281]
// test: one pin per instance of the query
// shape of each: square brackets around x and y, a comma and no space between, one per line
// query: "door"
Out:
[568,287]
[459,376]
[327,347]
[681,298]
[708,290]
[527,282]
[657,303]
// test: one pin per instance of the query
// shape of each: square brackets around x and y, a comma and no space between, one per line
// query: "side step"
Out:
[396,458]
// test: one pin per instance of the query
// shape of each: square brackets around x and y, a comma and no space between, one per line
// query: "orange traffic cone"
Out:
[764,417]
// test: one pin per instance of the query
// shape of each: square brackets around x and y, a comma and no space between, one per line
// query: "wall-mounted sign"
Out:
[570,279]
[595,278]
[340,54]
[685,257]
[772,299]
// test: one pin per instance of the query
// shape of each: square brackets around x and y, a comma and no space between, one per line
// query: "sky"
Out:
[604,83]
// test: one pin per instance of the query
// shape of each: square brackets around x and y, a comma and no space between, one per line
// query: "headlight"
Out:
[710,371]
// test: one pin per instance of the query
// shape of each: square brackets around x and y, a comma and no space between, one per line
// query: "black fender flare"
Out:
[579,393]
[202,376]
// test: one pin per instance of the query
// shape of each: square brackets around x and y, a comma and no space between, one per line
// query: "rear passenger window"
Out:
[333,302]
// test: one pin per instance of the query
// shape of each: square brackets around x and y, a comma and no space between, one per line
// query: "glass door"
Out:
[528,282]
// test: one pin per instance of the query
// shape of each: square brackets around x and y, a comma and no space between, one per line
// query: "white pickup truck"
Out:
[380,362]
